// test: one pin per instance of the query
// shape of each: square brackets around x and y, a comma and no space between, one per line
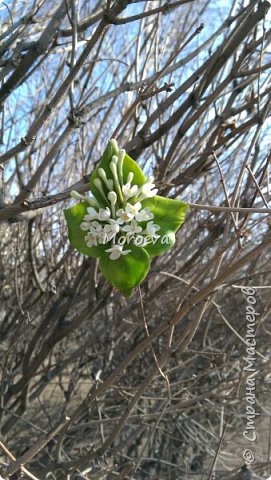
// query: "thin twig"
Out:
[33,451]
[24,470]
[165,377]
[227,196]
[163,9]
[257,186]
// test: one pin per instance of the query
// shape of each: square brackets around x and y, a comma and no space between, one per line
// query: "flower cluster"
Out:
[123,221]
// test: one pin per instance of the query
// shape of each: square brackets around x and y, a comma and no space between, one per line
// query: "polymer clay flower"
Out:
[124,222]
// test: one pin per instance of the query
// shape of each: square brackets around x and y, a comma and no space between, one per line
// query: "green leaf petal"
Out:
[128,271]
[169,214]
[74,217]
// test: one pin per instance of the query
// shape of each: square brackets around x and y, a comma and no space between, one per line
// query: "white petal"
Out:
[104,214]
[115,252]
[125,252]
[85,226]
[114,255]
[92,212]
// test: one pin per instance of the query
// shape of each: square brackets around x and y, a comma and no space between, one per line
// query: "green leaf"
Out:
[162,244]
[128,271]
[169,214]
[74,217]
[129,165]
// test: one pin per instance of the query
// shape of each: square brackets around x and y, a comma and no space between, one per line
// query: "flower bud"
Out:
[130,177]
[98,184]
[113,168]
[91,201]
[112,197]
[102,173]
[78,196]
[121,156]
[114,144]
[103,176]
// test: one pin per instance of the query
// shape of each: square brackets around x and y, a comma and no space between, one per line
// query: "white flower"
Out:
[133,209]
[151,229]
[91,215]
[116,251]
[104,214]
[129,191]
[114,226]
[104,237]
[132,229]
[91,240]
[144,215]
[87,220]
[148,189]
[85,226]
[110,231]
[96,228]
[124,216]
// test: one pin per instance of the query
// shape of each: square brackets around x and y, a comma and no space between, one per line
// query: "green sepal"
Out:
[74,217]
[169,214]
[128,271]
